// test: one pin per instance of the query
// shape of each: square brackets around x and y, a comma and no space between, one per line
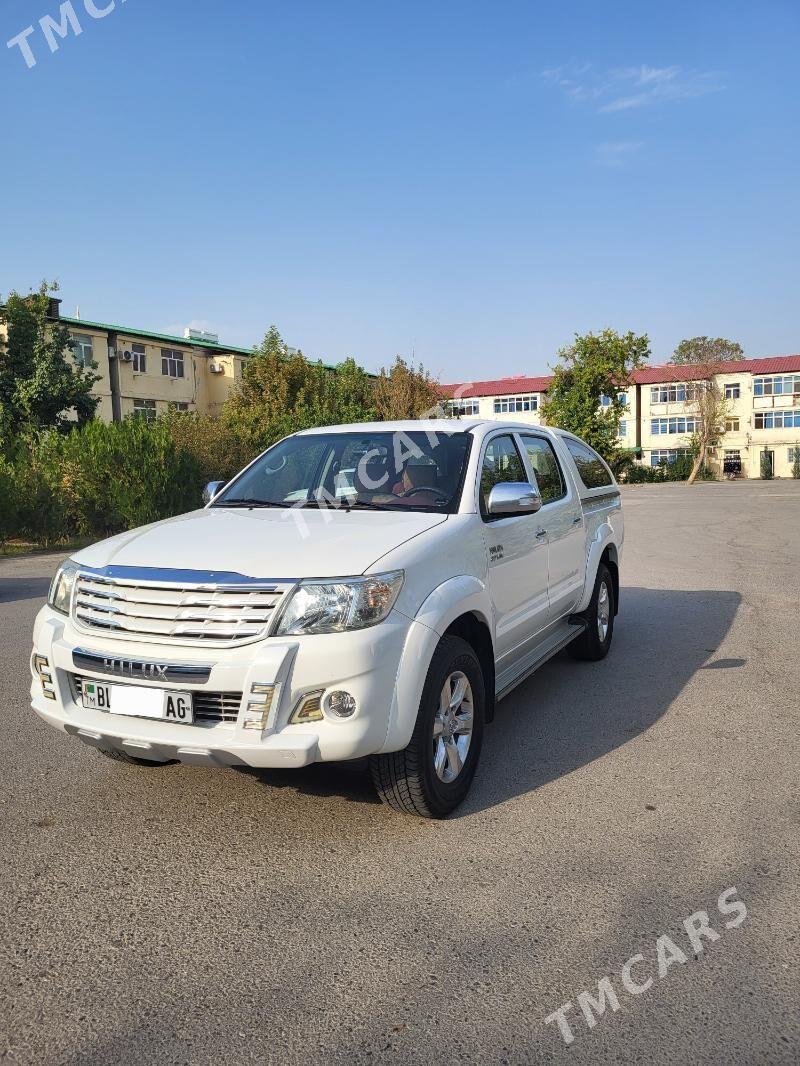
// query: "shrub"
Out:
[766,466]
[796,463]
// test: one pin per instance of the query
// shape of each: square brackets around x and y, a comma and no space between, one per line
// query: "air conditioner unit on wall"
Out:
[216,368]
[127,357]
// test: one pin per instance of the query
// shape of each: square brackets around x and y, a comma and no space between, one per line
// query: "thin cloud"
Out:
[627,88]
[616,153]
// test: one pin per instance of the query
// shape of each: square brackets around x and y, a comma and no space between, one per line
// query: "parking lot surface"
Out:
[185,915]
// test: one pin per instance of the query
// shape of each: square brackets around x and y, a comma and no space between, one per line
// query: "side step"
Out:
[521,671]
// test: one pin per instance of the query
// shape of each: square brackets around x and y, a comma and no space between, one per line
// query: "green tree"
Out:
[707,350]
[766,466]
[594,366]
[405,391]
[796,463]
[282,392]
[41,385]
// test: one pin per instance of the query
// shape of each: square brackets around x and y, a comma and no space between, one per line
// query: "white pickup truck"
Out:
[357,591]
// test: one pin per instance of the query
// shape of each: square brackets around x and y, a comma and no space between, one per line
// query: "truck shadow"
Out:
[15,589]
[570,713]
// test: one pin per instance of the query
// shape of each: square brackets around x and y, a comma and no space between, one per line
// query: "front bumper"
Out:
[365,663]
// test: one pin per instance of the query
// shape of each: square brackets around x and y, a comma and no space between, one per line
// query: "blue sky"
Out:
[470,182]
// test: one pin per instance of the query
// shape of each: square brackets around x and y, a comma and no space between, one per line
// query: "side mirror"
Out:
[212,489]
[514,497]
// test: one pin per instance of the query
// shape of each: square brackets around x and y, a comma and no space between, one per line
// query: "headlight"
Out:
[60,595]
[335,606]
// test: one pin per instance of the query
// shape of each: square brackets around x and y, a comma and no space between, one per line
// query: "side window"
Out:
[501,462]
[546,468]
[593,471]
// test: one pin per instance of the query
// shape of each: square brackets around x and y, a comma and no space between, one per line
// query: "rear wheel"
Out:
[433,774]
[595,640]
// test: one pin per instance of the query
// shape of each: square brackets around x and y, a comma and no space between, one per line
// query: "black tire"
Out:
[407,780]
[122,756]
[590,645]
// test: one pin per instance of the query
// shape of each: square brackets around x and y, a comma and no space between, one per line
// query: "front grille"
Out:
[212,615]
[208,706]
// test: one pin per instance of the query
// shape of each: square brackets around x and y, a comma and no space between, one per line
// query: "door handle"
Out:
[541,533]
[576,521]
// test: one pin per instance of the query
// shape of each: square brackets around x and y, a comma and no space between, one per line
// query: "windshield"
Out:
[415,471]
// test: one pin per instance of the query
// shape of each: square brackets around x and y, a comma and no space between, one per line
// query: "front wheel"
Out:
[595,640]
[433,774]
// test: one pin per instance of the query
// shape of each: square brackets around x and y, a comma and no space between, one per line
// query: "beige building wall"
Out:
[741,436]
[208,373]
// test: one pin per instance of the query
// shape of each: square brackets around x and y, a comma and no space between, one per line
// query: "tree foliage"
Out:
[704,351]
[405,391]
[282,392]
[40,383]
[593,366]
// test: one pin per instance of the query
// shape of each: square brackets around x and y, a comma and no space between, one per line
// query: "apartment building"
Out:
[763,398]
[145,373]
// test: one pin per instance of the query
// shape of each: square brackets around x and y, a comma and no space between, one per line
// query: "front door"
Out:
[517,557]
[561,516]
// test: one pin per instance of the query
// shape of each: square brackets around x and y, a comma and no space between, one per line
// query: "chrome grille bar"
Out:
[203,613]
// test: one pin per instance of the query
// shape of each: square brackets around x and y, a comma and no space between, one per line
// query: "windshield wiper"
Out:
[250,501]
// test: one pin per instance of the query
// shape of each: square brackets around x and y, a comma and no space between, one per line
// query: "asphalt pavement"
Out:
[185,915]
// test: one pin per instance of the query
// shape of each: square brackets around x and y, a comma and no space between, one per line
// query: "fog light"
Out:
[259,704]
[308,708]
[340,704]
[42,668]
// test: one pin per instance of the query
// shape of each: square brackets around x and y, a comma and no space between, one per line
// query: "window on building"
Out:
[83,349]
[786,385]
[672,393]
[546,468]
[623,428]
[792,454]
[622,397]
[731,425]
[733,390]
[139,358]
[145,409]
[512,404]
[676,424]
[666,455]
[592,470]
[501,462]
[172,362]
[179,405]
[776,419]
[463,407]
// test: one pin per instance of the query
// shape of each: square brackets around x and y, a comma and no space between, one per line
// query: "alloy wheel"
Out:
[452,727]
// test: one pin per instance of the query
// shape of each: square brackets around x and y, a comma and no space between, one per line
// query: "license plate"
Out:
[138,701]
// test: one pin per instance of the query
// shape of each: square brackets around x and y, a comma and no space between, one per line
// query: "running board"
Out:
[563,636]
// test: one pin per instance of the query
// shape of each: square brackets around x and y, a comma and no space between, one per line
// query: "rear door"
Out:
[561,519]
[517,556]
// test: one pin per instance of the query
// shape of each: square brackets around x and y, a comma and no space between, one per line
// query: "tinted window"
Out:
[501,462]
[545,466]
[592,469]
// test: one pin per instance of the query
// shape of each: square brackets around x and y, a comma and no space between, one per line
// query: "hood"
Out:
[265,543]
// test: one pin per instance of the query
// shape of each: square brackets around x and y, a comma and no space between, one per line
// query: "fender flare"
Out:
[603,539]
[448,601]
